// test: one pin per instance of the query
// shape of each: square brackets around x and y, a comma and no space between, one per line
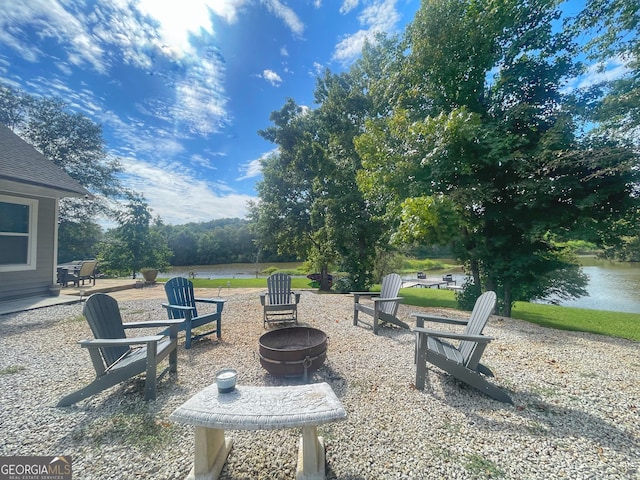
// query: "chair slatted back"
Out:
[103,315]
[179,291]
[87,267]
[279,289]
[390,287]
[482,310]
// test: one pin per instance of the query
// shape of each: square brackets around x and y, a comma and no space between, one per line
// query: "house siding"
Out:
[35,282]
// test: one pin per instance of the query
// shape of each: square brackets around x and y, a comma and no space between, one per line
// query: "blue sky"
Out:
[181,87]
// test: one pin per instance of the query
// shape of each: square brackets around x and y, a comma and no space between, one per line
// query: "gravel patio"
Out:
[575,413]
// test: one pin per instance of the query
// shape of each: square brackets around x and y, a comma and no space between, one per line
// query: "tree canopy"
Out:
[463,131]
[74,143]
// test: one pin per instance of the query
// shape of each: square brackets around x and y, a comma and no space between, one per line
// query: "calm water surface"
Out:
[612,286]
[229,270]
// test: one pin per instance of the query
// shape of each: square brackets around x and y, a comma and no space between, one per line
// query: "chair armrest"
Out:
[177,307]
[455,336]
[390,299]
[422,317]
[357,295]
[210,300]
[153,323]
[119,342]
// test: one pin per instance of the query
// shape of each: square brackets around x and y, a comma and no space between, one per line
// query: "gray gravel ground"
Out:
[576,412]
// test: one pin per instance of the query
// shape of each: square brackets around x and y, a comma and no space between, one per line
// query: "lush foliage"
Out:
[78,240]
[73,142]
[465,134]
[482,151]
[310,203]
[134,244]
[229,240]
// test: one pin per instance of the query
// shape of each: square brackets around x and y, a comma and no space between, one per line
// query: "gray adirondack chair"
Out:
[463,361]
[182,305]
[86,271]
[117,357]
[385,304]
[279,303]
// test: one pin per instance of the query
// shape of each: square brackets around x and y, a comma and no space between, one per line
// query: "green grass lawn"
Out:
[261,282]
[613,324]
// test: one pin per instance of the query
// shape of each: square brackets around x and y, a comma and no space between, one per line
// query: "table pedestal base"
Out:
[310,455]
[211,451]
[259,408]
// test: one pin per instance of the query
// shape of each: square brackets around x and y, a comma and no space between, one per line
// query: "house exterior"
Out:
[31,187]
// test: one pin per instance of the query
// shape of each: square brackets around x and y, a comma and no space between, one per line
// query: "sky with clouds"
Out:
[182,87]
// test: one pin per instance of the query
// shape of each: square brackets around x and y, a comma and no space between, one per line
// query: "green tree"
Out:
[78,240]
[183,242]
[613,105]
[73,142]
[614,27]
[486,130]
[135,243]
[310,201]
[284,218]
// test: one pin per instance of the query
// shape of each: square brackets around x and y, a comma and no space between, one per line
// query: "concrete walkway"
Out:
[67,295]
[121,289]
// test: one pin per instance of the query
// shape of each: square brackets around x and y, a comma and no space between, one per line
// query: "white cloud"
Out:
[200,100]
[179,19]
[251,169]
[227,9]
[272,77]
[205,161]
[287,15]
[179,197]
[380,16]
[613,69]
[52,21]
[348,5]
[254,167]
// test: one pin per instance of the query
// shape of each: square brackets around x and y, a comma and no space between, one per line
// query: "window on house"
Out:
[18,217]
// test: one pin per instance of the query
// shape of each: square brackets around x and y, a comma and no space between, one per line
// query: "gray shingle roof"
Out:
[20,162]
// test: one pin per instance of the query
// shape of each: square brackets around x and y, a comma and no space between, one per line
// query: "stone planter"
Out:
[149,274]
[54,290]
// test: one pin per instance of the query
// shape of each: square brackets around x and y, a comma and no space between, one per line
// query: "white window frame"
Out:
[32,234]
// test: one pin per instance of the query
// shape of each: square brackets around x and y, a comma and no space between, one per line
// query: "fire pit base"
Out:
[293,351]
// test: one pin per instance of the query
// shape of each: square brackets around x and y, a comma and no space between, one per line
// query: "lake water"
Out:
[228,270]
[612,286]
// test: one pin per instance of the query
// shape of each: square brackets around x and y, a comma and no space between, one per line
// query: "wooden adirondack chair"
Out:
[385,304]
[87,271]
[279,303]
[182,305]
[463,361]
[115,357]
